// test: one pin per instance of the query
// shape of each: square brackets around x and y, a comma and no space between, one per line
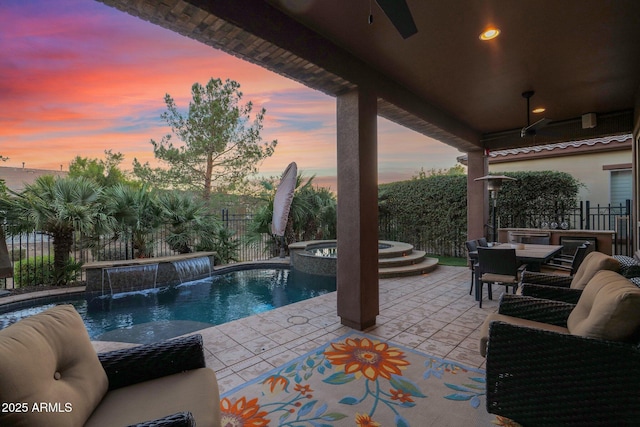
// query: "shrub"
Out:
[224,245]
[33,271]
[17,254]
[543,194]
[38,271]
[430,212]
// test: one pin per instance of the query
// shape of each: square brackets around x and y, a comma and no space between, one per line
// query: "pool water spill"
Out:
[188,269]
[155,314]
[129,278]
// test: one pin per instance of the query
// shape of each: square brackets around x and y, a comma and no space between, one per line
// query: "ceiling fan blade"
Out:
[400,16]
[533,128]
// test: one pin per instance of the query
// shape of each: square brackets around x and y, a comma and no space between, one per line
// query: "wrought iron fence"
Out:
[35,249]
[247,251]
[582,217]
[32,252]
[585,216]
[421,237]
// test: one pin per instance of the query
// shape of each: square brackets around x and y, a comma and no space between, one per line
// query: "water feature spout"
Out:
[130,278]
[192,268]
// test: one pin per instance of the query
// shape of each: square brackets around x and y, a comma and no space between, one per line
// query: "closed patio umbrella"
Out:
[6,268]
[282,203]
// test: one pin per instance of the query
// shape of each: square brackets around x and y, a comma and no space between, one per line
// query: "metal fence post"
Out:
[587,224]
[629,225]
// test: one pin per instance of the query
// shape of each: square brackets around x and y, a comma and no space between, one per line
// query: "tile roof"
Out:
[562,145]
[612,142]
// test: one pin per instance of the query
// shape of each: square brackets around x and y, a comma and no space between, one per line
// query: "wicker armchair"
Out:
[139,368]
[48,357]
[145,362]
[629,266]
[566,288]
[135,365]
[550,291]
[544,378]
[544,369]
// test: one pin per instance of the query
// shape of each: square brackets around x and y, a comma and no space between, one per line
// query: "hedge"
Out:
[431,212]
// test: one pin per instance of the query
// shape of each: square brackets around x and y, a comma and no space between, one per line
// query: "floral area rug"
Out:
[358,380]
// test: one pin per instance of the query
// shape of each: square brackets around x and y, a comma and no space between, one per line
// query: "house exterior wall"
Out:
[17,178]
[588,168]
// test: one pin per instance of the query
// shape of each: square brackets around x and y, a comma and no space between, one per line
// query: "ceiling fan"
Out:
[532,129]
[400,16]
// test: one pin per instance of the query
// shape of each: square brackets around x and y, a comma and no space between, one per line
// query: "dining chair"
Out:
[472,256]
[497,266]
[537,240]
[567,264]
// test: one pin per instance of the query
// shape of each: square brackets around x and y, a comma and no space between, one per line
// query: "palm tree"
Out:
[314,214]
[189,222]
[136,213]
[58,207]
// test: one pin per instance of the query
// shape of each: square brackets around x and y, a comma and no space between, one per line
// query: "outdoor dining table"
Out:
[534,255]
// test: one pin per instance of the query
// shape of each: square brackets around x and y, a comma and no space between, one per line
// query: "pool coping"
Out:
[27,296]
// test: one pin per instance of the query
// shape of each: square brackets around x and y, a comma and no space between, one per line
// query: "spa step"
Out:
[413,257]
[425,266]
[397,249]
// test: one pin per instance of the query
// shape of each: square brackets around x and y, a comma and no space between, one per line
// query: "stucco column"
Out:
[357,272]
[477,197]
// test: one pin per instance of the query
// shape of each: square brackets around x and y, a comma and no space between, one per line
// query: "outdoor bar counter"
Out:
[604,238]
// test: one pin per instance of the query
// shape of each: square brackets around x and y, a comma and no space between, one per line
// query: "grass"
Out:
[449,260]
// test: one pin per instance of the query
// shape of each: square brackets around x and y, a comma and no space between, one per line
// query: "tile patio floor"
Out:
[432,313]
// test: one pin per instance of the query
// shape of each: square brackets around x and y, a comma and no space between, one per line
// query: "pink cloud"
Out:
[78,77]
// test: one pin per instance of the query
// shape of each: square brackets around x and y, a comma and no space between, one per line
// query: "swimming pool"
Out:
[157,314]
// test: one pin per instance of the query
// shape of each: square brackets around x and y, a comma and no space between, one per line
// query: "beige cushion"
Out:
[607,309]
[591,264]
[49,358]
[498,278]
[484,330]
[193,391]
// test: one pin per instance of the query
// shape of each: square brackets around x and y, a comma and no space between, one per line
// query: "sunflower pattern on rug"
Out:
[359,380]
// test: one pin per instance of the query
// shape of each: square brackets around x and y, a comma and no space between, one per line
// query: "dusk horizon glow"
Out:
[79,78]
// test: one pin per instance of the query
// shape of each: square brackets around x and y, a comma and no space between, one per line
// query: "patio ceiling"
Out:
[579,57]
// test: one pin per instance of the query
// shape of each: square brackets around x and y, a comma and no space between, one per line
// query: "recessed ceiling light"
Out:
[489,34]
[538,110]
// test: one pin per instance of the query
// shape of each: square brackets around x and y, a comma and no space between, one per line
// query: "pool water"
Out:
[325,251]
[153,315]
[331,250]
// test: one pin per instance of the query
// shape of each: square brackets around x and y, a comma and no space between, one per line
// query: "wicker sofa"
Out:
[551,363]
[51,374]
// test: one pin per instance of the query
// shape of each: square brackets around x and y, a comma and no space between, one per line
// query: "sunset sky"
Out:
[78,78]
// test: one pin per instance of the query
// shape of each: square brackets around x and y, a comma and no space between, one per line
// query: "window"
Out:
[621,182]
